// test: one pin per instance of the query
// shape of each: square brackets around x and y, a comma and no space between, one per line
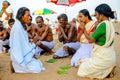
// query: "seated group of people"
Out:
[92,48]
[4,36]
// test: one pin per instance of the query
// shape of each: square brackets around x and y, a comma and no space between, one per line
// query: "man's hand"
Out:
[35,39]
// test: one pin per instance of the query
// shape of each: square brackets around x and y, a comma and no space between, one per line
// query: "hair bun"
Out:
[112,15]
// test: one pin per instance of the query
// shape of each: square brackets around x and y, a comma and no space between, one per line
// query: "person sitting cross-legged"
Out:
[67,33]
[43,37]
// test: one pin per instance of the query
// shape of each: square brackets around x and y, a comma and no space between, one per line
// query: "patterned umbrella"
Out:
[65,2]
[43,11]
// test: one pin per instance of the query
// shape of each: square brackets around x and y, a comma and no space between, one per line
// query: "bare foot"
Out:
[66,49]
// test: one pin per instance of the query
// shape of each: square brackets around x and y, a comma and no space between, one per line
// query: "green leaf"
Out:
[51,60]
[62,72]
[65,67]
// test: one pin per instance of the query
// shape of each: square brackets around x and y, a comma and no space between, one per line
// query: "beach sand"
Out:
[51,68]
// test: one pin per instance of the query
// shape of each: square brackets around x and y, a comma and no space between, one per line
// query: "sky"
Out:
[70,11]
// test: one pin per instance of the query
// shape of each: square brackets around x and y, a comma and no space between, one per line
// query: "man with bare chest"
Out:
[43,37]
[31,29]
[2,31]
[7,35]
[67,33]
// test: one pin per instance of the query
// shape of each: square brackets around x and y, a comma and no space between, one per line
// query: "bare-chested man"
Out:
[43,37]
[31,29]
[7,34]
[2,31]
[67,33]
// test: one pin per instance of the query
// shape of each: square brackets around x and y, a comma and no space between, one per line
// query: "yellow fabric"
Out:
[88,27]
[102,60]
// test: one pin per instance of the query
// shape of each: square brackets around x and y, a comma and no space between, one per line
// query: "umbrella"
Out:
[65,2]
[43,11]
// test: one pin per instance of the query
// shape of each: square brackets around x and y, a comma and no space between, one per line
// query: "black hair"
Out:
[41,18]
[1,21]
[62,16]
[1,28]
[30,18]
[105,10]
[21,12]
[11,20]
[6,2]
[85,12]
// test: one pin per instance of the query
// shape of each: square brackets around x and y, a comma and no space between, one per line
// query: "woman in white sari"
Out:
[103,59]
[85,47]
[6,13]
[21,50]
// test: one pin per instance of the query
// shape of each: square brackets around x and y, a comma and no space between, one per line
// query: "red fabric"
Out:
[54,1]
[70,2]
[56,29]
[92,30]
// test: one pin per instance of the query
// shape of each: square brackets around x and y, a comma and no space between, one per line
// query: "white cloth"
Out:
[85,48]
[6,42]
[61,52]
[88,27]
[1,46]
[50,45]
[22,52]
[102,59]
[5,22]
[83,52]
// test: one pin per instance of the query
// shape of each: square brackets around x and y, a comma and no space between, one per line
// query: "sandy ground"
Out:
[51,68]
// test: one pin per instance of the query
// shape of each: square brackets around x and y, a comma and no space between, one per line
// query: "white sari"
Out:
[103,58]
[85,48]
[5,22]
[22,52]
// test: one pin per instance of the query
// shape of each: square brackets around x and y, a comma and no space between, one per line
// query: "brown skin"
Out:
[66,32]
[31,30]
[7,31]
[2,34]
[26,18]
[6,34]
[99,17]
[2,31]
[81,31]
[43,33]
[83,21]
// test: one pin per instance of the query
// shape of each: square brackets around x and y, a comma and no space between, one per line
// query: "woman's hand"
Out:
[82,26]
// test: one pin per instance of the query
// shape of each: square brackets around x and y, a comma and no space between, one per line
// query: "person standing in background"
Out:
[6,13]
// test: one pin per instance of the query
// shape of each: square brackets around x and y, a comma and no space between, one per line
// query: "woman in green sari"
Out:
[103,59]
